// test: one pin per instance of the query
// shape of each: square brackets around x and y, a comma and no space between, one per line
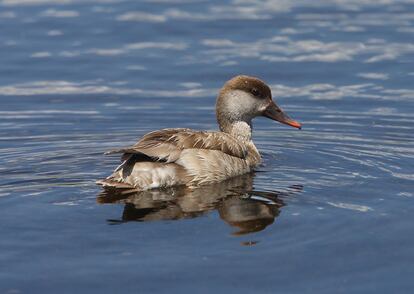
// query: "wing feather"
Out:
[167,144]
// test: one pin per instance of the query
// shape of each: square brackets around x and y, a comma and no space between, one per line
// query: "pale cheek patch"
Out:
[240,103]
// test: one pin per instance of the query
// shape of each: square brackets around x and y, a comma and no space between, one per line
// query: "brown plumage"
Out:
[167,144]
[172,157]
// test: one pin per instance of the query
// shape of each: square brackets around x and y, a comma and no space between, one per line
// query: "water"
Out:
[330,210]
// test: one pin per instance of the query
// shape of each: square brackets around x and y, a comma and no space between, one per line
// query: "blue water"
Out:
[331,209]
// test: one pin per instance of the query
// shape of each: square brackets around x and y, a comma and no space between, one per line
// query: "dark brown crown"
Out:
[248,84]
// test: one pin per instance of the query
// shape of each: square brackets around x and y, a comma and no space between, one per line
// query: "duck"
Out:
[182,156]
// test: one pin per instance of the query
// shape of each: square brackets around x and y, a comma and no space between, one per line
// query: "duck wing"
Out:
[167,144]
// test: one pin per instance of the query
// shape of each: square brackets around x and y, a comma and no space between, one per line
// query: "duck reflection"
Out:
[237,203]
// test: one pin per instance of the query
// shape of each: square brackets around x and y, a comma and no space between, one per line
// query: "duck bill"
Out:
[274,112]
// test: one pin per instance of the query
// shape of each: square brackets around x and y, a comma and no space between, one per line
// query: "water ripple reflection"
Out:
[238,204]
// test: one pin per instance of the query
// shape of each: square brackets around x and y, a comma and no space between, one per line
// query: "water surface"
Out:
[329,211]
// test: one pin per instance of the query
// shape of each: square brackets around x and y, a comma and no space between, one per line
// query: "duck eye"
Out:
[255,92]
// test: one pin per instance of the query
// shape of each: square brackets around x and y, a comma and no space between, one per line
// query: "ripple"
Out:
[59,13]
[285,49]
[355,207]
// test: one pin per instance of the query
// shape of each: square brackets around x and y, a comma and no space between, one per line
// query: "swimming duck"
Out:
[171,157]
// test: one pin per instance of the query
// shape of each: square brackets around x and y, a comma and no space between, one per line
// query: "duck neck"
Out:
[239,129]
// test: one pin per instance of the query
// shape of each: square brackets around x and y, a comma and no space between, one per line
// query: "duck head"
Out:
[243,98]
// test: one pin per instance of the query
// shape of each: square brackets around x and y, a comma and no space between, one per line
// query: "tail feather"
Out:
[108,182]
